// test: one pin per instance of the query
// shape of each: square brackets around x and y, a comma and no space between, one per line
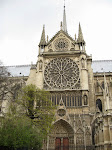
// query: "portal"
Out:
[62,143]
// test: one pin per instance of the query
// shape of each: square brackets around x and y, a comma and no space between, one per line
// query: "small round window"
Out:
[61,44]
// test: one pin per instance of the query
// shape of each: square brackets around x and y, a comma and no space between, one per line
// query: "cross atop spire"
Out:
[64,19]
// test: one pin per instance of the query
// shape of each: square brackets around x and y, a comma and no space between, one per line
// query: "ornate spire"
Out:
[64,19]
[43,41]
[80,35]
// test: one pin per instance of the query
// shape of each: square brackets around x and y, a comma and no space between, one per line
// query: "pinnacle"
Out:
[43,41]
[80,35]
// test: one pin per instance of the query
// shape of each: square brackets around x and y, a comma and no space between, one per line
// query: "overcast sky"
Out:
[21,23]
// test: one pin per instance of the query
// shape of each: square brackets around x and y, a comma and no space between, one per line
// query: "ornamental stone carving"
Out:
[61,73]
[61,112]
[61,44]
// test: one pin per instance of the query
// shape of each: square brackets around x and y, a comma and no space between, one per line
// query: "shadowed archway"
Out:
[61,135]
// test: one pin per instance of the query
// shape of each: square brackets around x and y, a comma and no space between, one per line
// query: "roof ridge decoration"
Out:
[43,40]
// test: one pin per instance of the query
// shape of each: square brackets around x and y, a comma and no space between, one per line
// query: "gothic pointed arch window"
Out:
[99,104]
[70,99]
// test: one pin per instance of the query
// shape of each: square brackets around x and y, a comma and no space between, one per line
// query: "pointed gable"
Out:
[58,33]
[61,42]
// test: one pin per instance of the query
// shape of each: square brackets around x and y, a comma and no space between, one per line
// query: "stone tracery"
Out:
[61,44]
[61,73]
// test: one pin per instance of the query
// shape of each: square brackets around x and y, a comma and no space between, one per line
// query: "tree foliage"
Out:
[36,104]
[30,113]
[28,120]
[18,132]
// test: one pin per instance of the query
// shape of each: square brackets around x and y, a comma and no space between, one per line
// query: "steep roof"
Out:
[24,70]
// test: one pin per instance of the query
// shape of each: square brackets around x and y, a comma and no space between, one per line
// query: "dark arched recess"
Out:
[99,104]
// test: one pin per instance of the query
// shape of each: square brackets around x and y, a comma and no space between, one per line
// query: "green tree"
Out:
[18,132]
[36,104]
[28,120]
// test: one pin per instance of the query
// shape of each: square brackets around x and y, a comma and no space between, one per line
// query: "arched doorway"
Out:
[61,136]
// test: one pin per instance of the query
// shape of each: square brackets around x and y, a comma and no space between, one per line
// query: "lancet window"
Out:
[69,99]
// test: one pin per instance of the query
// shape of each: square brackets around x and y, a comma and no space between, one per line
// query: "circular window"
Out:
[61,44]
[61,73]
[61,112]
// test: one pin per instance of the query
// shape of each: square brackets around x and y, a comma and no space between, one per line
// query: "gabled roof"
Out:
[61,31]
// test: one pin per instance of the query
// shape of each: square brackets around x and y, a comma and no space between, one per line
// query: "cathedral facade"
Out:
[83,98]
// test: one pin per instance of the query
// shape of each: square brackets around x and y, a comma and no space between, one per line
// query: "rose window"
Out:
[61,73]
[61,44]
